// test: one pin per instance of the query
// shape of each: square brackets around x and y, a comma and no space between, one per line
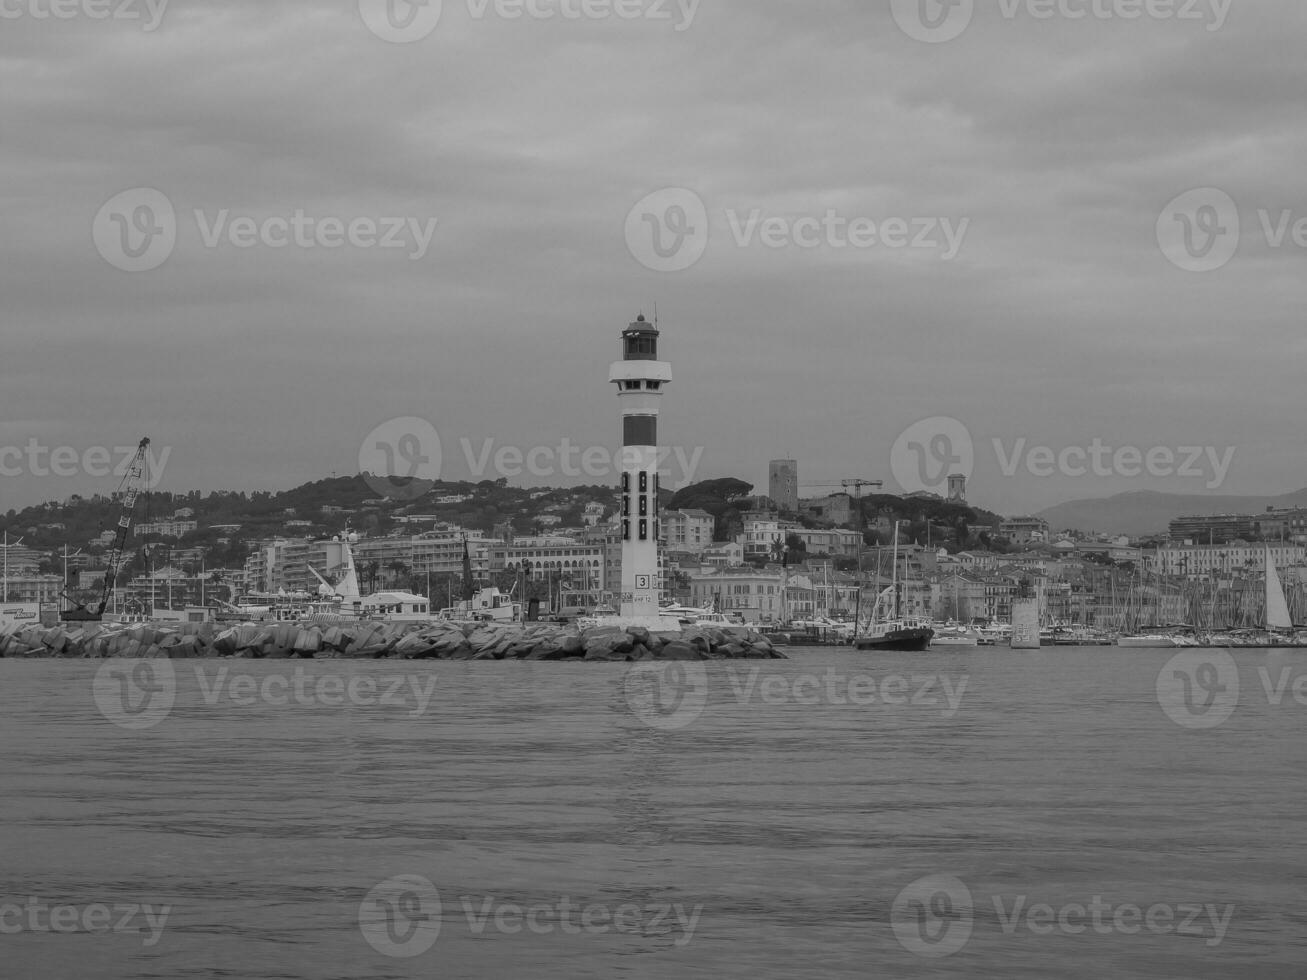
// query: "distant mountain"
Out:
[1148,512]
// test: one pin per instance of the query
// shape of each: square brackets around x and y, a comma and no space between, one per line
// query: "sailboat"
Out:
[954,633]
[1277,627]
[896,632]
[1139,636]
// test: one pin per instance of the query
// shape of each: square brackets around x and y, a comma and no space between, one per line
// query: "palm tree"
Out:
[397,572]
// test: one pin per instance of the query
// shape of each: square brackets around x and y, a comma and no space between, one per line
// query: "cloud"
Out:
[530,141]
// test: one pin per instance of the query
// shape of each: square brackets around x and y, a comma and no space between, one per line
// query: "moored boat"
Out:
[896,634]
[955,635]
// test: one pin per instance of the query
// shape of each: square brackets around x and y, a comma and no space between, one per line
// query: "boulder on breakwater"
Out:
[395,641]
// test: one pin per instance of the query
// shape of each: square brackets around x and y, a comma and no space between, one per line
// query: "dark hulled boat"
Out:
[900,634]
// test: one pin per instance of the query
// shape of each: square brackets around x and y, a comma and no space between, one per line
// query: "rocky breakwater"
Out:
[398,641]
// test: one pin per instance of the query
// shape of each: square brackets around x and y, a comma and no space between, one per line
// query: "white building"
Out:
[838,543]
[167,529]
[687,530]
[729,554]
[755,594]
[1203,561]
[762,534]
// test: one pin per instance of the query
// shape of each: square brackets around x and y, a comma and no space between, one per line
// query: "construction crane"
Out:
[129,489]
[846,484]
[855,485]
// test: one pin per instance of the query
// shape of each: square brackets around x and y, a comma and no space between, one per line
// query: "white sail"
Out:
[1277,609]
[348,586]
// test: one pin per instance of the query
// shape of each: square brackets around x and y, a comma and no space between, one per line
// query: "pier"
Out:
[378,641]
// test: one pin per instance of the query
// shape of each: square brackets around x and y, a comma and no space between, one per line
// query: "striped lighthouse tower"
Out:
[640,378]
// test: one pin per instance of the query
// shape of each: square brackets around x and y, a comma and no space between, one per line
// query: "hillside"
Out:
[1148,512]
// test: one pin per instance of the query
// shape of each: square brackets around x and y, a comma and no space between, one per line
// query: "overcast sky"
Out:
[1060,314]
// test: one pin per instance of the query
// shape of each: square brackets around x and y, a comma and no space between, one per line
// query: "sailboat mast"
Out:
[894,572]
[857,601]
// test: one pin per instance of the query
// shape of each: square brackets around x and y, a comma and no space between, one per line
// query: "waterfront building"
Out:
[441,552]
[752,593]
[783,484]
[32,588]
[1202,561]
[19,559]
[261,567]
[583,565]
[957,596]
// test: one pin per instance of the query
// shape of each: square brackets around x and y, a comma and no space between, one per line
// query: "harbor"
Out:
[643,489]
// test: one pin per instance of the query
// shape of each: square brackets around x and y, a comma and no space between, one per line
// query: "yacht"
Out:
[955,635]
[486,606]
[995,634]
[1159,637]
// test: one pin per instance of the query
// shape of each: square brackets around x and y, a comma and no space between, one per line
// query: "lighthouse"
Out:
[640,378]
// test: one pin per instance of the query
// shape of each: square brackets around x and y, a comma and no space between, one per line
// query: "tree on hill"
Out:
[712,492]
[721,499]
